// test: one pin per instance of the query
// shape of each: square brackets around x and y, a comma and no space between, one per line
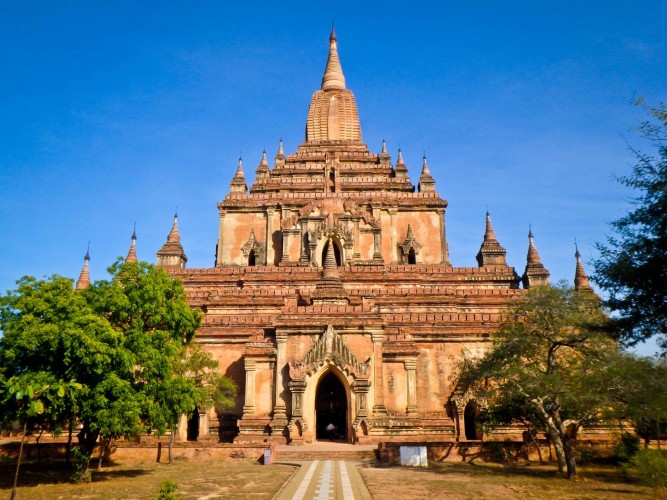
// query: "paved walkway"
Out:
[325,480]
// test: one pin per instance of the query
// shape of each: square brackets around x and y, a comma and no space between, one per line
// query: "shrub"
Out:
[625,448]
[167,491]
[651,467]
[81,473]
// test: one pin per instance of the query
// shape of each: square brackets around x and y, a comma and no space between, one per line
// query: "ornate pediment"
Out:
[331,227]
[409,243]
[253,245]
[330,348]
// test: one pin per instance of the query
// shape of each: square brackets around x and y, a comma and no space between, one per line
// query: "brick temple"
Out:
[333,299]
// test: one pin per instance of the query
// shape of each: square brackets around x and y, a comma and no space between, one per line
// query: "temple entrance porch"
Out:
[330,409]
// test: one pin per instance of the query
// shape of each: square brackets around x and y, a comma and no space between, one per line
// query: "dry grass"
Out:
[492,481]
[141,480]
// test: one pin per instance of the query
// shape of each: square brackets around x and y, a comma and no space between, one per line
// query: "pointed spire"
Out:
[84,277]
[132,254]
[174,236]
[329,264]
[262,169]
[385,159]
[333,74]
[491,253]
[400,170]
[172,254]
[533,257]
[580,278]
[489,234]
[426,182]
[535,274]
[238,184]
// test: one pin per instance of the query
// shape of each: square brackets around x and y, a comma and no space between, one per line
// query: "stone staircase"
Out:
[325,451]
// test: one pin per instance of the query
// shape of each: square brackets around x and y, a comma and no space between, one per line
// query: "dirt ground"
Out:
[248,479]
[492,481]
[141,480]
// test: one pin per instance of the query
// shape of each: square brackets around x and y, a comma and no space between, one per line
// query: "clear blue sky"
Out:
[121,113]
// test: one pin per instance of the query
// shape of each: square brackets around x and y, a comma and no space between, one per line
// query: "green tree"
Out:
[32,395]
[49,328]
[638,388]
[149,312]
[632,266]
[548,361]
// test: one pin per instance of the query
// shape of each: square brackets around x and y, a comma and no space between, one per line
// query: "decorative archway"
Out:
[331,404]
[311,380]
[409,248]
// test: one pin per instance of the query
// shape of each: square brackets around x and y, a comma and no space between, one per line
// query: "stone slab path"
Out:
[325,480]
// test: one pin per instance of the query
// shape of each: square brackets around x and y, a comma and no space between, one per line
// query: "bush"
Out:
[80,461]
[625,448]
[167,491]
[651,468]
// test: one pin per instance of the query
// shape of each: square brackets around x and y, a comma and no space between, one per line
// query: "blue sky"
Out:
[123,112]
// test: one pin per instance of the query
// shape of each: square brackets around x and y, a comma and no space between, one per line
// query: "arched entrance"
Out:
[471,421]
[193,426]
[330,408]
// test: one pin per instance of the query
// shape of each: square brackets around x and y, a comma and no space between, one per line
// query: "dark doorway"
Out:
[412,258]
[331,409]
[193,426]
[336,252]
[251,258]
[471,421]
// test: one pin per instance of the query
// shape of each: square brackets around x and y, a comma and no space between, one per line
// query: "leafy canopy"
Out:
[632,266]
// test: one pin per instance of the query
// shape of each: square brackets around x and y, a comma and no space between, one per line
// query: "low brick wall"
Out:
[129,451]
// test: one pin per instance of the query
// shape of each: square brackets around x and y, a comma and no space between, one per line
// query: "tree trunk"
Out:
[171,446]
[537,446]
[558,448]
[87,440]
[657,432]
[569,457]
[554,434]
[18,463]
[103,447]
[39,447]
[70,430]
[159,451]
[567,446]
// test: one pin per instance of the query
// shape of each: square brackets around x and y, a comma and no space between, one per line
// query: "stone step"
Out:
[302,455]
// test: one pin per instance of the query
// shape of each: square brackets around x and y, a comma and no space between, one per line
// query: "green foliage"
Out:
[167,491]
[124,345]
[625,447]
[547,362]
[650,466]
[80,473]
[633,264]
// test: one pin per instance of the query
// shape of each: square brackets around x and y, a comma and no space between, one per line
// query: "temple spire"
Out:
[489,234]
[172,254]
[132,254]
[580,278]
[238,185]
[535,274]
[262,170]
[426,181]
[491,253]
[533,257]
[333,74]
[400,170]
[84,277]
